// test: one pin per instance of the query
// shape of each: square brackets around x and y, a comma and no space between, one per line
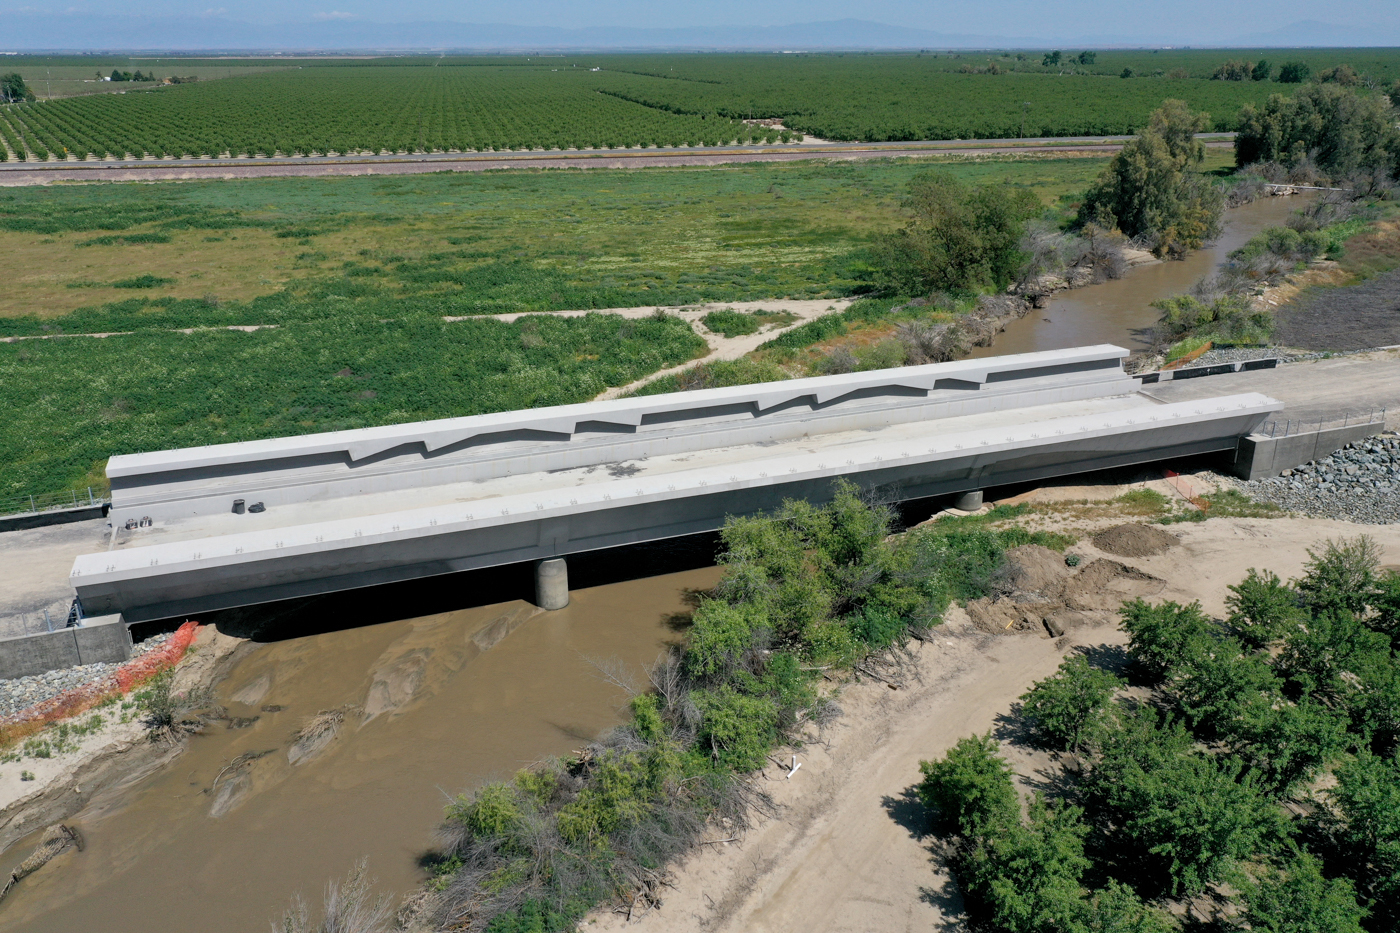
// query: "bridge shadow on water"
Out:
[390,602]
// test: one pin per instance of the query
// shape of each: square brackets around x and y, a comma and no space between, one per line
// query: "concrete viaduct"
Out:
[231,525]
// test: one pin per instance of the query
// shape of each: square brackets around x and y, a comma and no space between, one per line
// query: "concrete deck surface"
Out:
[1311,390]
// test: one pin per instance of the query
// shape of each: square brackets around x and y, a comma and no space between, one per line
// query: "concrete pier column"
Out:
[552,584]
[969,501]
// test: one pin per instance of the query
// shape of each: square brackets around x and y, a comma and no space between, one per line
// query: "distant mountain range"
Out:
[98,32]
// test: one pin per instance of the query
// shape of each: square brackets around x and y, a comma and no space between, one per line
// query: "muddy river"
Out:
[1120,312]
[438,704]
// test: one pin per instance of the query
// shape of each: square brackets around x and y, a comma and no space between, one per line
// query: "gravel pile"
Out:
[1235,355]
[1359,483]
[24,692]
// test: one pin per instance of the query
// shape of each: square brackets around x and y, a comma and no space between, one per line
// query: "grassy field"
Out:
[358,273]
[406,104]
[250,252]
[53,76]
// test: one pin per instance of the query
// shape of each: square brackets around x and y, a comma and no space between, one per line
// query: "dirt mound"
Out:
[1004,615]
[1104,585]
[1046,597]
[1134,540]
[1033,569]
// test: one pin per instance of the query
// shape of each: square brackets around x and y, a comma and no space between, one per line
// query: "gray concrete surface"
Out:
[358,508]
[1260,456]
[1310,390]
[104,639]
[552,584]
[34,567]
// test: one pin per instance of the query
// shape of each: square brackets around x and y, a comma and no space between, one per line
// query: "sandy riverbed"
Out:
[848,851]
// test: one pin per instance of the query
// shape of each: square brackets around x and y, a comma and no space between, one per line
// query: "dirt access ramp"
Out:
[849,850]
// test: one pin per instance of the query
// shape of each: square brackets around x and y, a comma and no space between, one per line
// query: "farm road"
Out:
[22,174]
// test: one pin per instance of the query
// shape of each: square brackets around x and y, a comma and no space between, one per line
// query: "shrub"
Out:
[1298,899]
[1262,608]
[738,729]
[1294,72]
[731,323]
[969,790]
[1161,638]
[1342,576]
[1067,707]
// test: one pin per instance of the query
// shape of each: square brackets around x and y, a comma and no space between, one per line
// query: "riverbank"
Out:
[85,760]
[849,812]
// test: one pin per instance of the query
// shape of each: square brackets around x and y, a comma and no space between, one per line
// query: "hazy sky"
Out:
[989,17]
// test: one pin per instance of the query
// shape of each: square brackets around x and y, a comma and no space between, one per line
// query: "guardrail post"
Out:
[31,504]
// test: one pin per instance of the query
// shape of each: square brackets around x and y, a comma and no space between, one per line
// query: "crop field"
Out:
[359,272]
[407,105]
[355,110]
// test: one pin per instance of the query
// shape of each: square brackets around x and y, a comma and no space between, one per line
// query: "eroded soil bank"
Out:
[419,710]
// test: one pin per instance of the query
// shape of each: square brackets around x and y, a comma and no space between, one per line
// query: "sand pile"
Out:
[1134,540]
[1041,594]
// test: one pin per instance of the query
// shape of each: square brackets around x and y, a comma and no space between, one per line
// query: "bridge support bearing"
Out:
[552,584]
[969,501]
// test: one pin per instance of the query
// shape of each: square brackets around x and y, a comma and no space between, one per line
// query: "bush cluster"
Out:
[1289,701]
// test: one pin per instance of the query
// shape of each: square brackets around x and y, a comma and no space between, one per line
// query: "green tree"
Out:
[1294,73]
[969,789]
[958,238]
[1262,70]
[1025,876]
[1067,707]
[1163,637]
[1262,608]
[1344,75]
[1367,798]
[1152,190]
[1183,818]
[13,88]
[1087,58]
[1051,59]
[1234,70]
[1298,899]
[1342,576]
[1116,909]
[1341,130]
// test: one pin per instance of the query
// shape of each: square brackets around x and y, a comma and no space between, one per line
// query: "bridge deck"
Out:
[398,511]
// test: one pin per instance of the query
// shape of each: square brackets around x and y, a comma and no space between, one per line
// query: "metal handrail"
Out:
[49,502]
[1288,428]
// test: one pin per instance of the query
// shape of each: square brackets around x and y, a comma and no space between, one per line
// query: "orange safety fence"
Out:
[1186,490]
[130,675]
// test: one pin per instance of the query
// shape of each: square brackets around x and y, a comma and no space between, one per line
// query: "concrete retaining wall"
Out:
[51,517]
[1216,369]
[99,639]
[1258,456]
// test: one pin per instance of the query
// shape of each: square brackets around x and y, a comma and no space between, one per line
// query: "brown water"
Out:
[445,702]
[1120,312]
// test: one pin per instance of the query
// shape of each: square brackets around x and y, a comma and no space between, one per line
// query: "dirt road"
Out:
[848,851]
[20,174]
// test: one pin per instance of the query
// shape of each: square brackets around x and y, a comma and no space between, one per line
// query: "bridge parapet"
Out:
[204,481]
[358,508]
